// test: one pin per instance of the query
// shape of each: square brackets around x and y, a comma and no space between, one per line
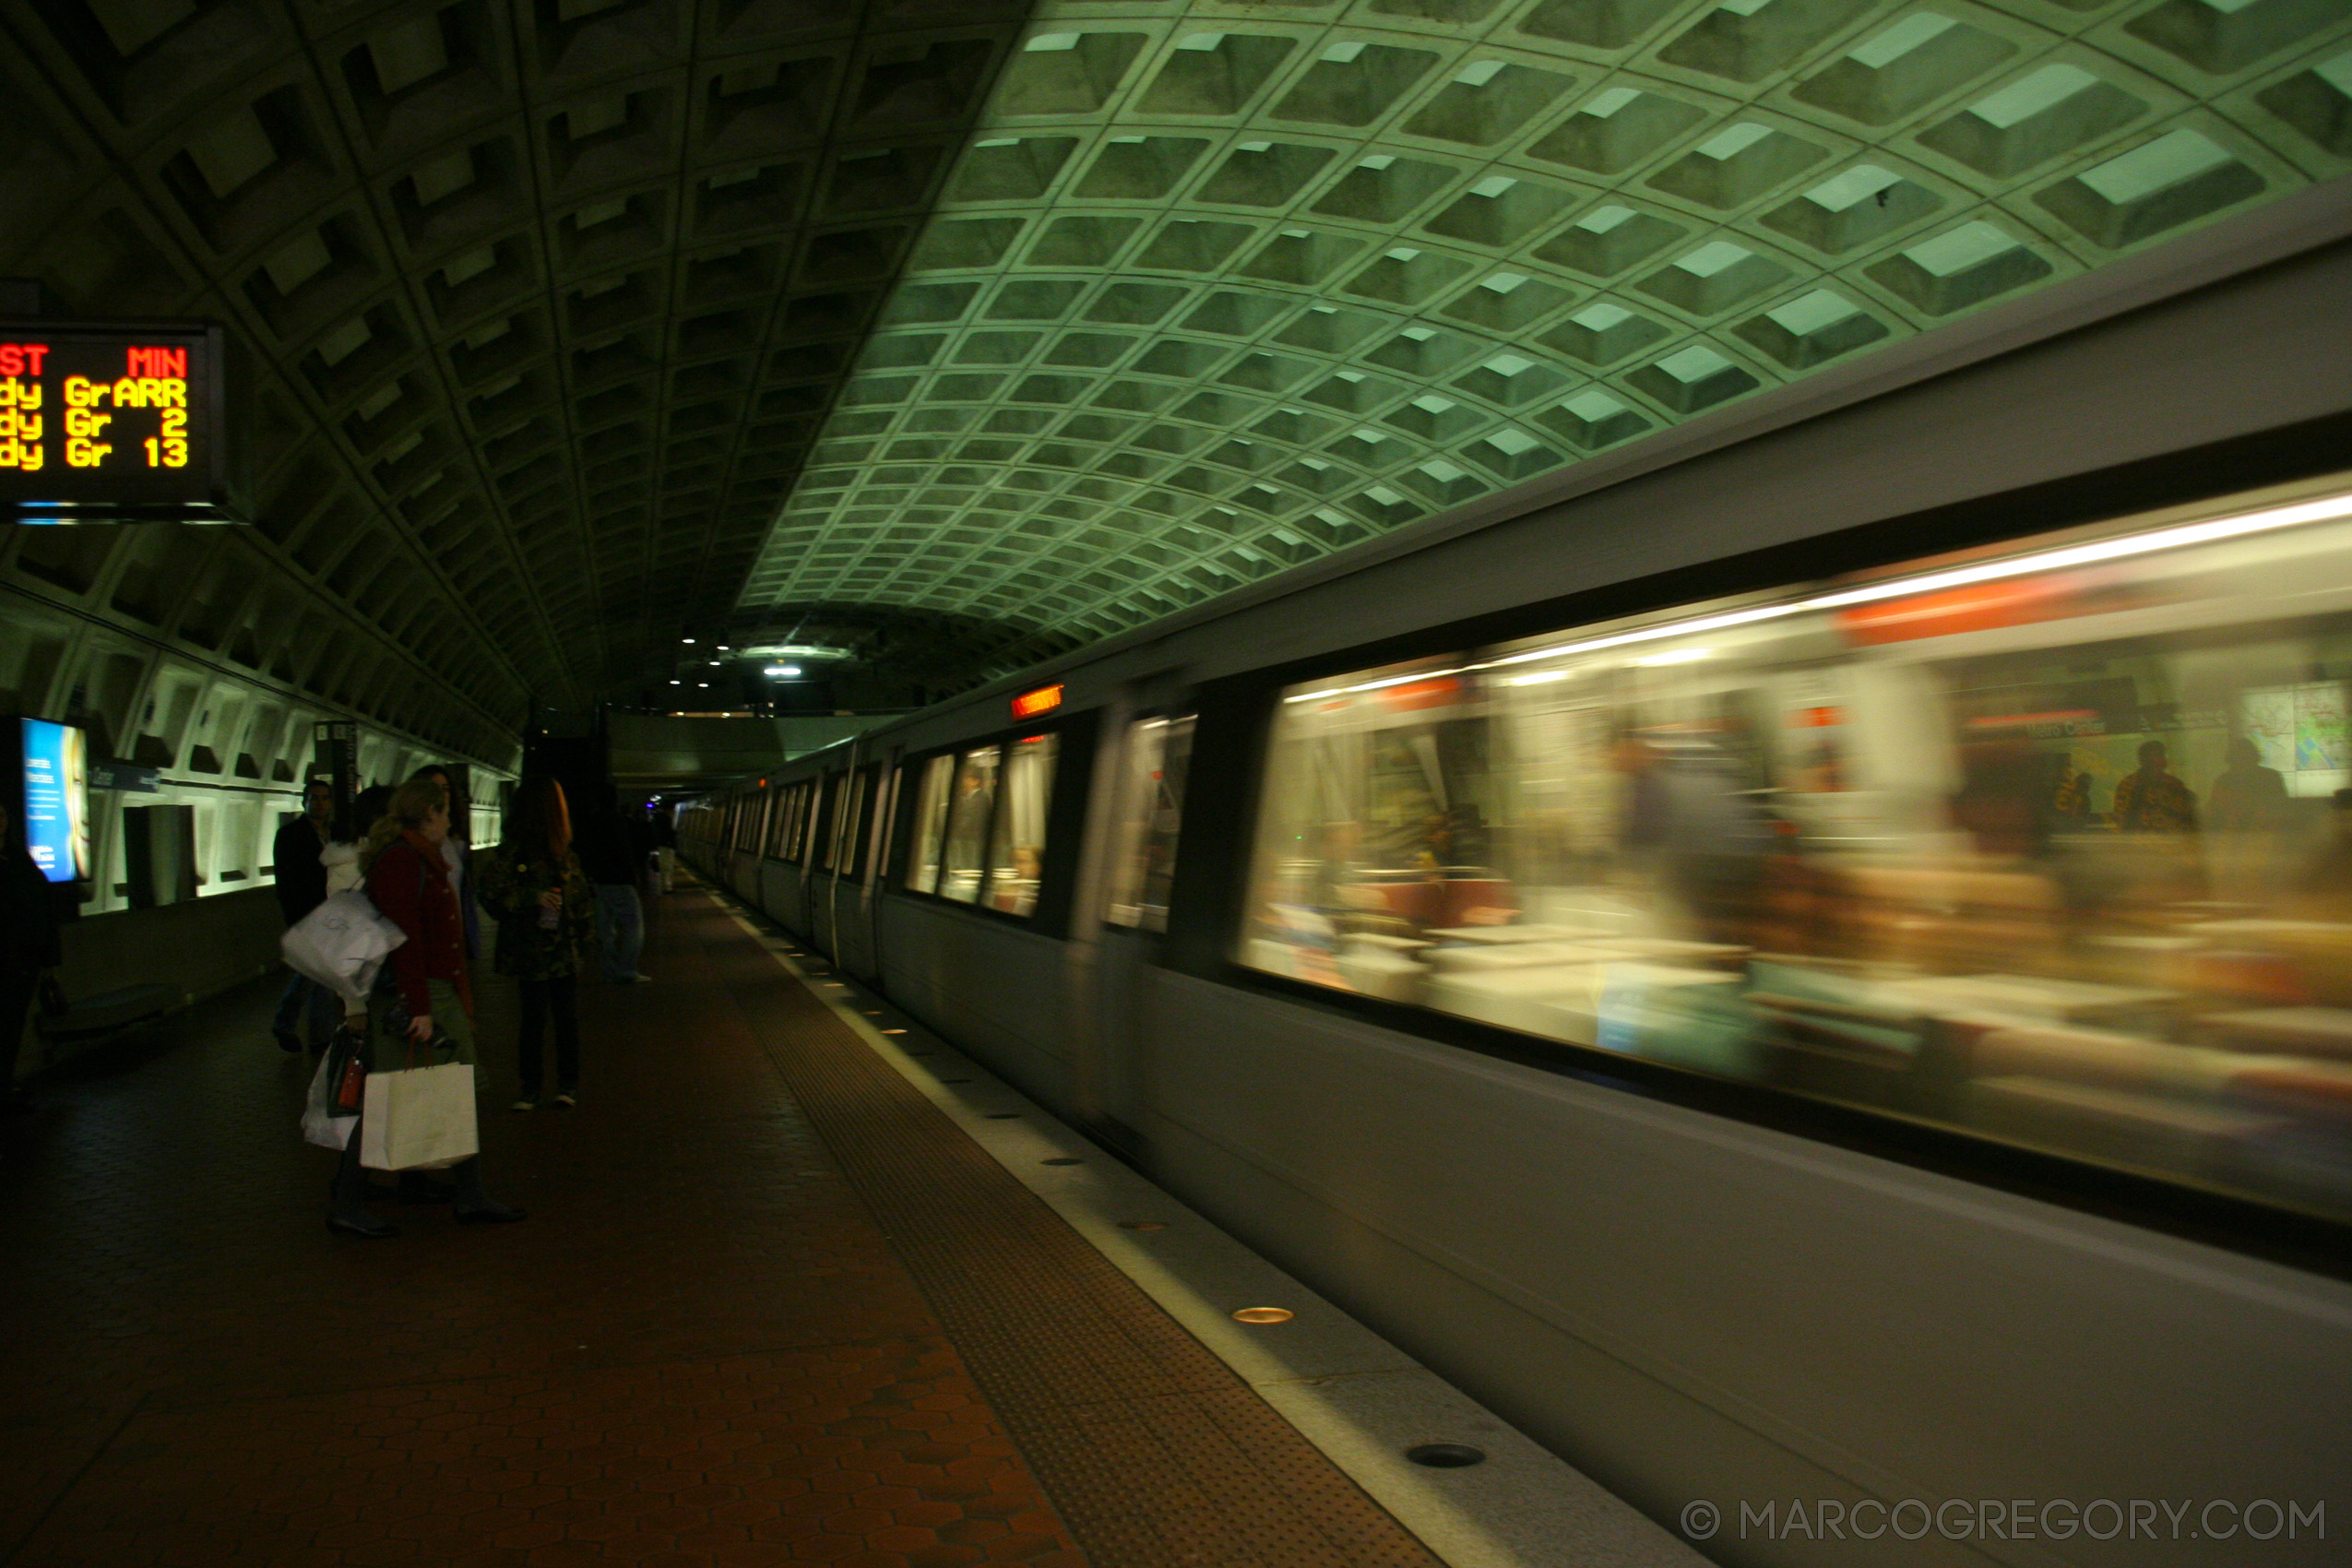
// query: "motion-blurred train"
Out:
[1807,959]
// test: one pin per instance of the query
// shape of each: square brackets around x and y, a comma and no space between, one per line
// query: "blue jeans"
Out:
[303,997]
[620,929]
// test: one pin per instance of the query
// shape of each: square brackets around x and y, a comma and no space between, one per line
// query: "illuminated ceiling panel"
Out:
[1221,288]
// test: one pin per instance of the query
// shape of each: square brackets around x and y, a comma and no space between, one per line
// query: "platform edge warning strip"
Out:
[1152,1450]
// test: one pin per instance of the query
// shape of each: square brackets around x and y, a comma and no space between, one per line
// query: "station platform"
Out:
[772,1304]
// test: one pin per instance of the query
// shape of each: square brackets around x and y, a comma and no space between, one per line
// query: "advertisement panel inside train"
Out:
[55,760]
[99,416]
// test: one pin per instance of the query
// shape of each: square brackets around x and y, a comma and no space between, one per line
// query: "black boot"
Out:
[348,1214]
[474,1206]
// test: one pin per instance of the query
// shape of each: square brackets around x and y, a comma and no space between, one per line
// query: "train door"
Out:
[899,798]
[1141,796]
[816,915]
[825,862]
[874,864]
[853,936]
[796,881]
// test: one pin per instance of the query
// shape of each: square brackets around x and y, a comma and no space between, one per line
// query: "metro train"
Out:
[1806,961]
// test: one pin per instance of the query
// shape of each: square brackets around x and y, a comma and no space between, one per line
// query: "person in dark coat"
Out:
[28,949]
[302,887]
[614,848]
[532,884]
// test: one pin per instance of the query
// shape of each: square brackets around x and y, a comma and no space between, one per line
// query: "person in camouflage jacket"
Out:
[546,911]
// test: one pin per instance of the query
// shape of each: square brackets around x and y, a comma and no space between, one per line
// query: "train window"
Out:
[1151,809]
[1016,843]
[845,808]
[2052,845]
[964,859]
[795,802]
[884,817]
[822,802]
[862,818]
[931,821]
[843,847]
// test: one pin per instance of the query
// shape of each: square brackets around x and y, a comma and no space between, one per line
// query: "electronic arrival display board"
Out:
[112,421]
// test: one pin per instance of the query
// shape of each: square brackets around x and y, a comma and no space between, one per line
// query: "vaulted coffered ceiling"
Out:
[1221,288]
[592,324]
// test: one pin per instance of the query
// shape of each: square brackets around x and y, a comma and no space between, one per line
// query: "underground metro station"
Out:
[1175,783]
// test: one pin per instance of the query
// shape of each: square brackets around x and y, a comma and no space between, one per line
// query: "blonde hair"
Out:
[410,804]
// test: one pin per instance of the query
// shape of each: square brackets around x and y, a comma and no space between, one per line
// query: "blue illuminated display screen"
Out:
[56,803]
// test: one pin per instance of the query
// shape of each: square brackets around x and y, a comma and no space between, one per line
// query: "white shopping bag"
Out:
[341,944]
[324,1122]
[419,1117]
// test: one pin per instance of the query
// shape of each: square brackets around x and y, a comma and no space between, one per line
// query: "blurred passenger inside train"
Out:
[2153,799]
[1850,844]
[2071,801]
[2248,823]
[298,856]
[2246,797]
[968,819]
[1016,836]
[1692,827]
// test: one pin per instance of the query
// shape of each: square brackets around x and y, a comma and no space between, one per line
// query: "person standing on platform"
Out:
[457,851]
[533,887]
[408,882]
[614,848]
[29,950]
[298,855]
[665,844]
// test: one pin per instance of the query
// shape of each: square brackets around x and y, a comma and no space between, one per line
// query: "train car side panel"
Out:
[1631,1279]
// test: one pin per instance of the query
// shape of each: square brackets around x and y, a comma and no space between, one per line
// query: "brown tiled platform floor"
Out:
[702,1347]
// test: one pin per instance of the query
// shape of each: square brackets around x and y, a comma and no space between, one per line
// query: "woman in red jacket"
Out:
[408,882]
